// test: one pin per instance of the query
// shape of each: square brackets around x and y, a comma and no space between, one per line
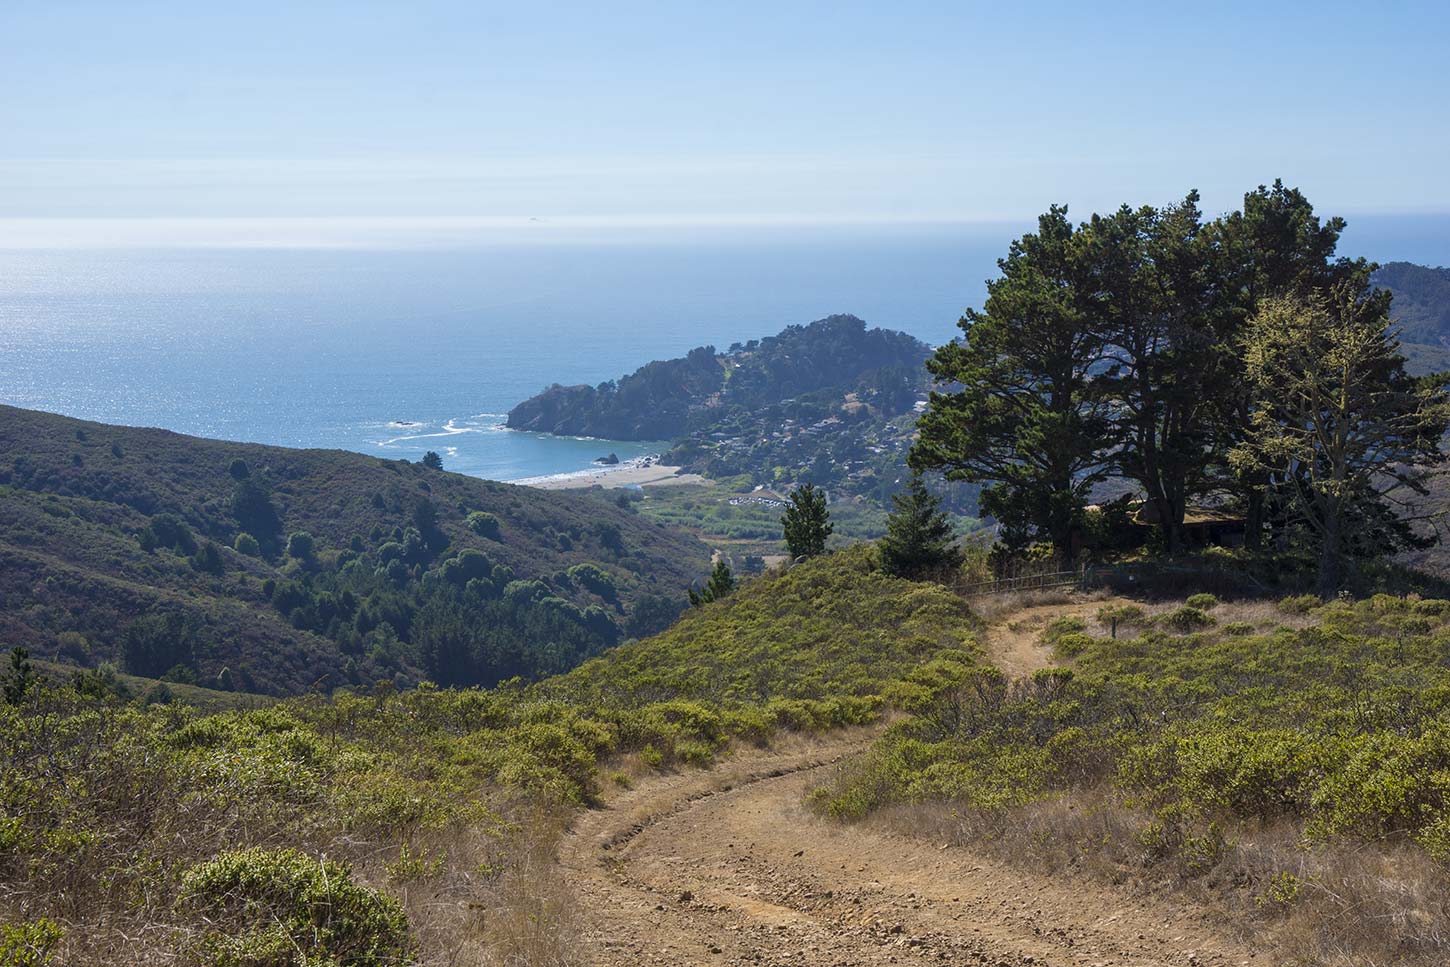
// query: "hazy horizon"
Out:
[641,114]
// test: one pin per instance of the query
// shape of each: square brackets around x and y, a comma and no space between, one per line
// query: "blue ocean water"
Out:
[396,352]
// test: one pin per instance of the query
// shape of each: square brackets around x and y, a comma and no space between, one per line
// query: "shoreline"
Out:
[636,472]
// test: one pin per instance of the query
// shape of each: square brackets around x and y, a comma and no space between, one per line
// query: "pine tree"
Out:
[919,537]
[432,460]
[806,522]
[720,585]
[18,678]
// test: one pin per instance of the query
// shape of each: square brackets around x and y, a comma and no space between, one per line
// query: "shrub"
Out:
[28,943]
[301,545]
[1126,615]
[265,906]
[1202,601]
[484,524]
[1185,620]
[1063,626]
[1299,604]
[246,544]
[1072,644]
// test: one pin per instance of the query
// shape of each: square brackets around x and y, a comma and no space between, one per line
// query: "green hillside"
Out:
[829,403]
[175,556]
[121,823]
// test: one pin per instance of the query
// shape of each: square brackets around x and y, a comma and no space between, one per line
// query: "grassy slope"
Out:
[830,628]
[104,806]
[73,494]
[1290,762]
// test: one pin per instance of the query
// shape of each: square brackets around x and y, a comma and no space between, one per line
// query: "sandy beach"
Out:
[643,472]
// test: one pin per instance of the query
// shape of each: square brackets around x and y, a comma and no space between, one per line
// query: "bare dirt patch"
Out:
[729,867]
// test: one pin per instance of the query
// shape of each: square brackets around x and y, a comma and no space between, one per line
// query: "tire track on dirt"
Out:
[727,866]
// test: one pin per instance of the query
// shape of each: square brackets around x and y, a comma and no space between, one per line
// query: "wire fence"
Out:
[1089,577]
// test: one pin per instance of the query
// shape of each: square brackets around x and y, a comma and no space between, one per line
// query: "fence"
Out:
[1096,576]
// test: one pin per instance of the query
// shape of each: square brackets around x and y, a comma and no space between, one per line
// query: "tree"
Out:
[1154,305]
[425,519]
[720,585]
[919,538]
[251,507]
[432,460]
[1274,247]
[1353,436]
[807,522]
[1017,409]
[153,644]
[207,559]
[19,678]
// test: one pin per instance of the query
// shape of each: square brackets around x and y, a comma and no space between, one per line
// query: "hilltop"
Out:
[830,403]
[278,570]
[1422,301]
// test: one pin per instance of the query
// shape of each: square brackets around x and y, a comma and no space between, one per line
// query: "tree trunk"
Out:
[1254,518]
[1330,559]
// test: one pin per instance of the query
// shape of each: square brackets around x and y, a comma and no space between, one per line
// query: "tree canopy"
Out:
[1145,345]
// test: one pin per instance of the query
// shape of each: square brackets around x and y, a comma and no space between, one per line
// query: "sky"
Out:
[489,114]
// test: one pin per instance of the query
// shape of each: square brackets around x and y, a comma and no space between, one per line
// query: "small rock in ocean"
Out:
[608,461]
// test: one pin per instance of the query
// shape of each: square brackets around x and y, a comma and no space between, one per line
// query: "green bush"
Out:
[301,545]
[1063,626]
[267,907]
[1299,604]
[1185,620]
[483,524]
[28,943]
[1072,644]
[247,544]
[1202,601]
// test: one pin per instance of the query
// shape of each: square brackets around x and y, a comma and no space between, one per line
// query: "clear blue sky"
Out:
[830,111]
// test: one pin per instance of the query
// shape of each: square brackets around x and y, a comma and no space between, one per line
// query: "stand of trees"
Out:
[1237,360]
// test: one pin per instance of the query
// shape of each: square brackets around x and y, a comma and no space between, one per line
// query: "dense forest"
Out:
[273,570]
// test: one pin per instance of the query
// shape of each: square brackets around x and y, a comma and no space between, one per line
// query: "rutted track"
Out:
[728,867]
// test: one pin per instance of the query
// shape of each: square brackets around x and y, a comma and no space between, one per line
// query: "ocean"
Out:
[394,352]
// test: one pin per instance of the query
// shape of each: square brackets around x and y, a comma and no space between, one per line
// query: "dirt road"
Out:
[729,867]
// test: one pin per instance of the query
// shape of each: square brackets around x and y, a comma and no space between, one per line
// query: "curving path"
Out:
[729,867]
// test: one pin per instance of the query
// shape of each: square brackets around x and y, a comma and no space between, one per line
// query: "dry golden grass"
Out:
[1377,905]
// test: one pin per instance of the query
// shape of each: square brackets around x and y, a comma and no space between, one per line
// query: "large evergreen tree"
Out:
[919,538]
[806,522]
[1338,419]
[1274,247]
[1154,305]
[1017,409]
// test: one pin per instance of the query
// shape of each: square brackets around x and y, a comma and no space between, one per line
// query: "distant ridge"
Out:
[169,555]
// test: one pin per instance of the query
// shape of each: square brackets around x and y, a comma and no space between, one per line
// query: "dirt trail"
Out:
[1013,642]
[729,867]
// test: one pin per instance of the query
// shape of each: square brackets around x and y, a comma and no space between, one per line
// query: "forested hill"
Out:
[1422,301]
[275,570]
[668,399]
